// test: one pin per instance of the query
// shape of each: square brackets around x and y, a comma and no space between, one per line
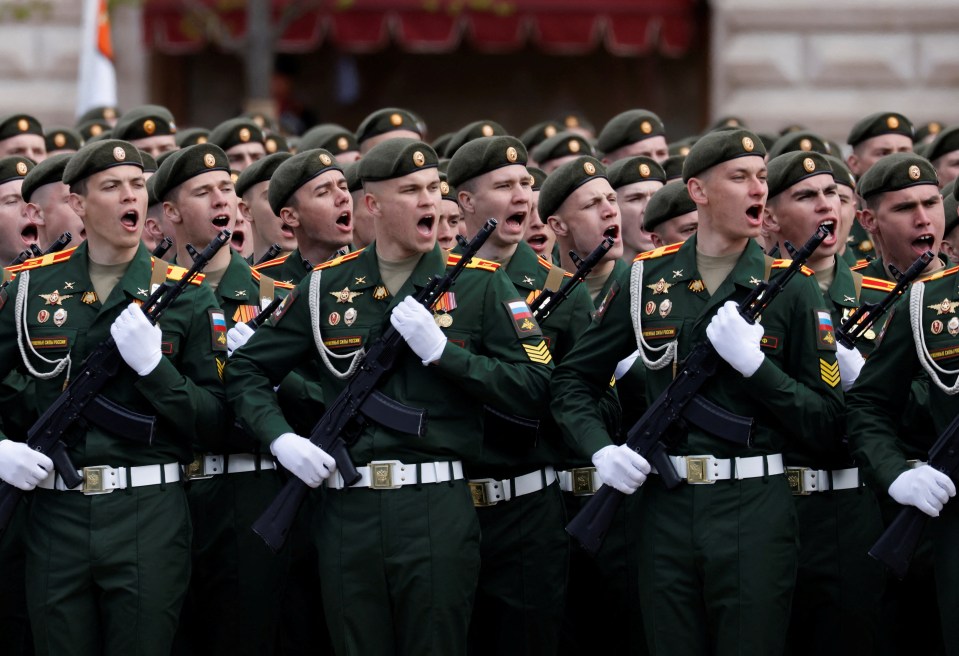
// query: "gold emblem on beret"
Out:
[23,125]
[892,122]
[487,130]
[59,140]
[914,172]
[748,144]
[201,139]
[572,122]
[589,168]
[574,146]
[935,128]
[532,181]
[644,170]
[259,120]
[511,154]
[342,143]
[270,146]
[550,130]
[806,145]
[684,151]
[731,122]
[419,158]
[149,126]
[444,187]
[119,154]
[809,165]
[95,130]
[109,113]
[396,119]
[21,168]
[645,127]
[234,176]
[244,134]
[325,159]
[209,160]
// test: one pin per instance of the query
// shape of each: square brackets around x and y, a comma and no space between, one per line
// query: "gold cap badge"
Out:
[511,154]
[806,145]
[149,126]
[892,122]
[209,160]
[59,140]
[550,130]
[572,121]
[119,154]
[574,146]
[244,134]
[23,125]
[201,139]
[396,119]
[270,146]
[487,130]
[444,187]
[684,151]
[342,143]
[935,128]
[95,130]
[325,159]
[914,172]
[109,113]
[644,170]
[419,158]
[259,120]
[748,144]
[234,176]
[589,168]
[645,127]
[21,168]
[809,165]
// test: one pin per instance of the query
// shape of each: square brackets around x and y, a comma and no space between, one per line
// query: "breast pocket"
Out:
[170,345]
[50,344]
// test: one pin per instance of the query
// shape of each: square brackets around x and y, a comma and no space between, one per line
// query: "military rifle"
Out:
[161,248]
[680,399]
[548,300]
[358,402]
[270,253]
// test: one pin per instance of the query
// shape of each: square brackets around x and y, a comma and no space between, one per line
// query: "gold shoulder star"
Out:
[345,295]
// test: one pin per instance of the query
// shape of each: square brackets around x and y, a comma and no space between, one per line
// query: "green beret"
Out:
[673,167]
[235,132]
[440,143]
[924,130]
[539,133]
[46,172]
[538,177]
[296,171]
[767,139]
[634,169]
[728,122]
[897,171]
[263,121]
[795,166]
[565,180]
[483,155]
[152,191]
[562,145]
[102,113]
[144,121]
[62,139]
[921,149]
[259,171]
[792,127]
[945,142]
[667,203]
[389,119]
[628,128]
[17,124]
[950,206]
[803,140]
[471,131]
[149,162]
[682,146]
[192,137]
[447,191]
[352,173]
[443,164]
[878,124]
[396,158]
[276,143]
[100,156]
[331,137]
[162,157]
[15,167]
[840,172]
[721,146]
[573,120]
[188,163]
[93,128]
[103,136]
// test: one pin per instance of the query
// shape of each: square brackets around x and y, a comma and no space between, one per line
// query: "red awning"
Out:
[623,27]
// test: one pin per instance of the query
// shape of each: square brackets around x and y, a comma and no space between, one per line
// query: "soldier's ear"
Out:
[770,222]
[33,214]
[171,213]
[657,240]
[372,204]
[465,199]
[290,217]
[867,219]
[697,191]
[244,210]
[560,228]
[77,204]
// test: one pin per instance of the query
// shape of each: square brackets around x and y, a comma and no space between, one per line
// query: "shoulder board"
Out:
[475,263]
[659,252]
[940,274]
[43,260]
[861,264]
[878,283]
[338,260]
[257,275]
[784,264]
[270,263]
[174,272]
[546,264]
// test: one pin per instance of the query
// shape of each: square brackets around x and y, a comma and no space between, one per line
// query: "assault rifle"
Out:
[80,401]
[648,436]
[161,248]
[548,300]
[358,402]
[270,253]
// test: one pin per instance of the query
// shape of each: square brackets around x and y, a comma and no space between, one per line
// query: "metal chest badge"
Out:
[441,310]
[59,317]
[345,295]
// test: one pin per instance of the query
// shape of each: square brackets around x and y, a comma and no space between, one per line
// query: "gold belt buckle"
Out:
[478,492]
[197,468]
[796,481]
[93,482]
[381,476]
[697,470]
[583,481]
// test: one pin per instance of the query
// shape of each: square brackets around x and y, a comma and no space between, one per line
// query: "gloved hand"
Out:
[625,364]
[303,459]
[416,325]
[621,467]
[850,364]
[137,339]
[21,466]
[237,336]
[736,341]
[924,487]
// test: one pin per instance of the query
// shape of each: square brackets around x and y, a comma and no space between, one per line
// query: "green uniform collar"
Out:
[844,292]
[135,283]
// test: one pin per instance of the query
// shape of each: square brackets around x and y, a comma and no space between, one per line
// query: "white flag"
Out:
[97,84]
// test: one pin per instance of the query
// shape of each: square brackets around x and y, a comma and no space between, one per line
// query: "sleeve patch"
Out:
[218,330]
[220,366]
[825,339]
[829,372]
[522,318]
[539,354]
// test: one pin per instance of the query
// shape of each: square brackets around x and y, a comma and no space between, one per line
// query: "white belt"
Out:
[803,480]
[489,491]
[698,470]
[582,481]
[207,466]
[393,474]
[102,479]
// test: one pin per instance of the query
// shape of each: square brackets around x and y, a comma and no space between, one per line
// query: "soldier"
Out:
[631,133]
[670,216]
[62,140]
[335,139]
[399,552]
[106,113]
[803,140]
[901,190]
[124,597]
[47,201]
[537,134]
[539,235]
[848,206]
[950,238]
[22,135]
[635,180]
[363,233]
[384,124]
[943,152]
[149,127]
[724,556]
[253,188]
[191,137]
[17,232]
[560,148]
[470,131]
[241,139]
[451,217]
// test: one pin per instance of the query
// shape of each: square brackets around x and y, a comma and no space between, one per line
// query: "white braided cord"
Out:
[635,308]
[326,353]
[916,293]
[23,336]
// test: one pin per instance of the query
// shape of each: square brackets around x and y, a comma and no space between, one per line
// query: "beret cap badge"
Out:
[23,125]
[119,154]
[209,160]
[270,146]
[342,143]
[805,144]
[59,140]
[646,127]
[244,134]
[487,130]
[550,130]
[748,144]
[574,146]
[95,130]
[809,165]
[644,170]
[325,159]
[396,119]
[21,168]
[149,126]
[914,172]
[419,158]
[444,187]
[511,154]
[892,122]
[589,168]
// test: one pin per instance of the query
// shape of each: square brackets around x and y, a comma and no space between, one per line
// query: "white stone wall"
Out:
[828,64]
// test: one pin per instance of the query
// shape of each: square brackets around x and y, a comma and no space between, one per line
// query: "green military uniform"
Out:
[290,268]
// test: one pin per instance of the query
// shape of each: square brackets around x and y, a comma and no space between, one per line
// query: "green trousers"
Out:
[398,568]
[945,539]
[717,566]
[14,626]
[106,575]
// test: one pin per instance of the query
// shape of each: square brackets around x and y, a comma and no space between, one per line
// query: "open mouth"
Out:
[755,212]
[829,224]
[516,220]
[612,232]
[344,220]
[924,242]
[130,219]
[537,240]
[237,239]
[29,234]
[425,225]
[221,221]
[287,231]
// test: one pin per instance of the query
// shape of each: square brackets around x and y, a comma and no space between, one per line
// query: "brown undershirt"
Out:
[714,270]
[595,283]
[105,277]
[395,274]
[213,278]
[825,277]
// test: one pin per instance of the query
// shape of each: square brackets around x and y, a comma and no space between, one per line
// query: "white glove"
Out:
[415,323]
[305,460]
[621,467]
[625,364]
[736,340]
[850,364]
[237,336]
[137,339]
[21,466]
[924,487]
